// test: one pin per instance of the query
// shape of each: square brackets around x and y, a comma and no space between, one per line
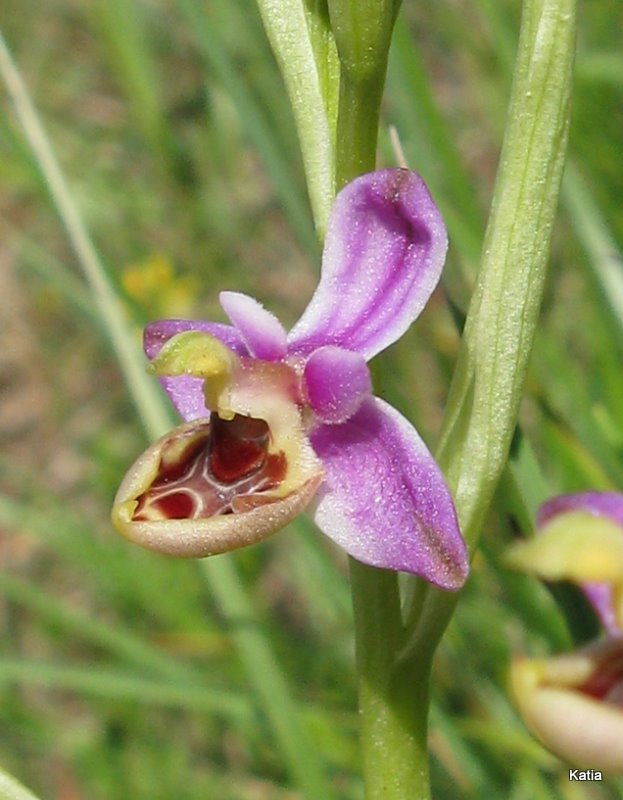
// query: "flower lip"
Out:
[208,487]
[203,472]
[574,703]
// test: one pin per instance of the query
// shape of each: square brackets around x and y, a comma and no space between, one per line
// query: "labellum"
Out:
[220,467]
[210,486]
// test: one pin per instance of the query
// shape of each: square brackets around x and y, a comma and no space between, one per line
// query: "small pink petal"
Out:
[260,330]
[337,382]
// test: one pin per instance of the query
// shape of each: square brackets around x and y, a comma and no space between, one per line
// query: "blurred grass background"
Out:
[127,675]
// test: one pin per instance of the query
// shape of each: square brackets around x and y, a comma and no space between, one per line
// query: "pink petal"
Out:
[337,382]
[260,330]
[383,256]
[384,499]
[186,392]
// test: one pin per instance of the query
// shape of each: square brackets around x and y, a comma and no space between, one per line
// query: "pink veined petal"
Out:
[385,248]
[603,504]
[385,500]
[186,392]
[337,382]
[260,330]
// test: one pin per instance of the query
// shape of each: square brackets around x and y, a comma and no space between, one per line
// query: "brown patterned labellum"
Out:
[213,466]
[210,486]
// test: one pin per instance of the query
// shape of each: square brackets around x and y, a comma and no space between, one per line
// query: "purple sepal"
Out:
[385,500]
[384,251]
[337,382]
[186,392]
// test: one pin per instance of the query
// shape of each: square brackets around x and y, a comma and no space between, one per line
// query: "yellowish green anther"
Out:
[199,355]
[577,546]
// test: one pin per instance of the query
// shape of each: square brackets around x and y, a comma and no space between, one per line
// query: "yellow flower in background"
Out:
[154,284]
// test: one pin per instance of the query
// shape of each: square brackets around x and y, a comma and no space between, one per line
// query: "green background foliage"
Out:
[124,674]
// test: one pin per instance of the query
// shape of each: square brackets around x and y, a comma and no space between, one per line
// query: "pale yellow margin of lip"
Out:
[203,537]
[582,730]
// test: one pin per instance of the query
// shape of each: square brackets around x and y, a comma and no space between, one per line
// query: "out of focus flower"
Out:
[153,283]
[574,702]
[273,420]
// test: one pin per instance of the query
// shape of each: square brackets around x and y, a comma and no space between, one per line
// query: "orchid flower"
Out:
[276,422]
[574,702]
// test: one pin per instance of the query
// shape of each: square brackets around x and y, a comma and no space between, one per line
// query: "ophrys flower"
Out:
[574,702]
[276,420]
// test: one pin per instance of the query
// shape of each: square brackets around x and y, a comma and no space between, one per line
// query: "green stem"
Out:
[357,126]
[393,708]
[486,390]
[488,381]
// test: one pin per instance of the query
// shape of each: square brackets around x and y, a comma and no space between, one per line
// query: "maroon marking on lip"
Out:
[177,505]
[607,676]
[222,462]
[237,447]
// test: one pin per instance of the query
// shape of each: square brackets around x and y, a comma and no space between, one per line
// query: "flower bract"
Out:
[277,422]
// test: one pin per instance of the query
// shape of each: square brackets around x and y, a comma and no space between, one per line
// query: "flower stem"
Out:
[393,710]
[392,706]
[488,381]
[486,390]
[357,126]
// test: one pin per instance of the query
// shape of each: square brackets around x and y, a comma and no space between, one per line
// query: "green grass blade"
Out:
[123,32]
[98,681]
[605,257]
[118,642]
[303,760]
[267,679]
[277,165]
[123,340]
[11,789]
